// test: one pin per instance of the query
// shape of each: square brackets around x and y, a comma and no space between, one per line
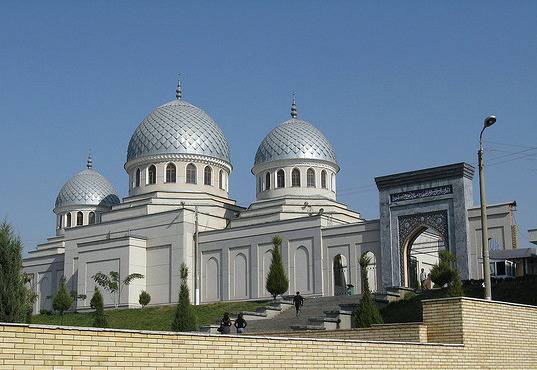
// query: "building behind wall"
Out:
[178,164]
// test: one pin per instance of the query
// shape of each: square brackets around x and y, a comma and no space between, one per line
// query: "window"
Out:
[280,179]
[207,175]
[191,174]
[170,173]
[295,178]
[60,223]
[323,179]
[91,218]
[311,178]
[68,223]
[259,184]
[79,218]
[137,180]
[333,184]
[152,174]
[267,181]
[221,179]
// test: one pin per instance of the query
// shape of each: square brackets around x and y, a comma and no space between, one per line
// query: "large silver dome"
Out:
[88,187]
[295,139]
[178,127]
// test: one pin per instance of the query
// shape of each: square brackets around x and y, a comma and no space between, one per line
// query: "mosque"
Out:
[178,210]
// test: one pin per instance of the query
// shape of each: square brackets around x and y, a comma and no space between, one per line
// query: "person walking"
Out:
[298,301]
[423,278]
[240,324]
[225,324]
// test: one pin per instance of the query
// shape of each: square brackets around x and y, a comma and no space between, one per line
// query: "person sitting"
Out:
[225,324]
[240,324]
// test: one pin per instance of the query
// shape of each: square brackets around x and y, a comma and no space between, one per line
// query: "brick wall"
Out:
[493,335]
[407,332]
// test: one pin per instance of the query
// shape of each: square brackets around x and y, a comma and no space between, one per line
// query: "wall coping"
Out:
[478,300]
[197,334]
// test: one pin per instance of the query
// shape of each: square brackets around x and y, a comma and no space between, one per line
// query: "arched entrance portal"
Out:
[340,275]
[371,271]
[421,252]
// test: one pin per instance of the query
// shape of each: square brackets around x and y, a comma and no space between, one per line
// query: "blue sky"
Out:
[394,85]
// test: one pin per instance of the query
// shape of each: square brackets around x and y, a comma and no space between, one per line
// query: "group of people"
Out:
[240,323]
[425,280]
[225,325]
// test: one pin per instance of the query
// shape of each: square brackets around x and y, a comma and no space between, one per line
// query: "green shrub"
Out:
[62,300]
[99,320]
[144,298]
[185,318]
[444,272]
[366,313]
[277,281]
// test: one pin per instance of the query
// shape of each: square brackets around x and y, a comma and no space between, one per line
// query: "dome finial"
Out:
[294,111]
[89,163]
[179,90]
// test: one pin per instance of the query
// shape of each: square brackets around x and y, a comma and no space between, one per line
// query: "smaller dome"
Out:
[88,187]
[295,139]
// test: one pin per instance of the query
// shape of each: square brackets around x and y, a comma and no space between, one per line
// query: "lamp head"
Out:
[489,121]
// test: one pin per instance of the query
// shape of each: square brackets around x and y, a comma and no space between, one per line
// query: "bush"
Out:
[62,300]
[144,298]
[277,282]
[366,313]
[444,272]
[45,312]
[185,318]
[97,304]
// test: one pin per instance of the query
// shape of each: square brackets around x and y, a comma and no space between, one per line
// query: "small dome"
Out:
[88,187]
[295,139]
[178,127]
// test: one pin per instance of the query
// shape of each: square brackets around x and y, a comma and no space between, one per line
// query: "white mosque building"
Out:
[178,210]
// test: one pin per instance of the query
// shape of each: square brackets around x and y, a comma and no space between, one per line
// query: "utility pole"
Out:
[489,121]
[196,272]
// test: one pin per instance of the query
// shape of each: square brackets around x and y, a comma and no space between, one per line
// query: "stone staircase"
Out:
[317,313]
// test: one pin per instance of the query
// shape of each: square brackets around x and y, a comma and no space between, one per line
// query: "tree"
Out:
[444,272]
[113,284]
[15,297]
[144,298]
[366,313]
[62,300]
[185,317]
[277,282]
[97,304]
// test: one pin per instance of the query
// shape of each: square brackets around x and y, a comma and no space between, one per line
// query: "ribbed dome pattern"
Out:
[295,139]
[88,187]
[178,127]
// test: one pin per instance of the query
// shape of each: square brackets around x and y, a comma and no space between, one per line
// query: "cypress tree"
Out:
[97,304]
[366,313]
[185,317]
[62,300]
[14,296]
[277,281]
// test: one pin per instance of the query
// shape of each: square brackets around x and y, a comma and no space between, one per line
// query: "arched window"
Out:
[170,173]
[280,179]
[333,183]
[208,175]
[137,180]
[68,223]
[152,174]
[79,218]
[311,178]
[323,179]
[191,174]
[91,218]
[221,179]
[295,177]
[60,219]
[267,181]
[259,184]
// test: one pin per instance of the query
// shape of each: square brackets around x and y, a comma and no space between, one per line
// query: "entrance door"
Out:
[340,275]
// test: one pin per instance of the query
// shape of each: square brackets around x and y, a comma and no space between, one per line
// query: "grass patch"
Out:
[149,318]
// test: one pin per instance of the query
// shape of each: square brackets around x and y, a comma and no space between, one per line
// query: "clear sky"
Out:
[394,85]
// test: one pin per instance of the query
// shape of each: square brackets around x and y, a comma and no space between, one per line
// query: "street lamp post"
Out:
[489,121]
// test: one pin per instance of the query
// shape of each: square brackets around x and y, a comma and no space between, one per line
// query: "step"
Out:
[249,315]
[328,323]
[307,327]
